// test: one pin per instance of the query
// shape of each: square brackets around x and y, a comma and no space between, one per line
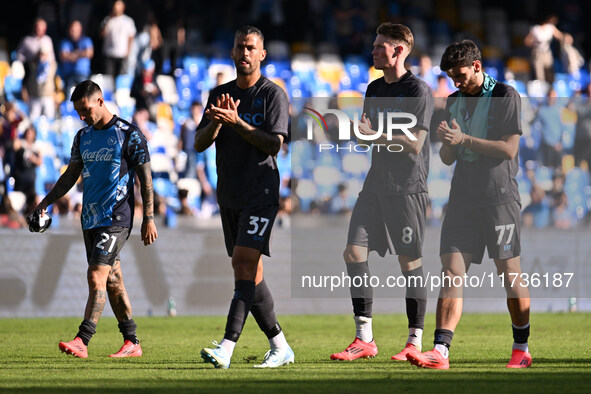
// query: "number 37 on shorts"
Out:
[258,226]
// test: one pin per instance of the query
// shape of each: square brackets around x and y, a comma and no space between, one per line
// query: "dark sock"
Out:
[416,298]
[443,337]
[127,328]
[86,330]
[521,335]
[263,310]
[241,304]
[361,296]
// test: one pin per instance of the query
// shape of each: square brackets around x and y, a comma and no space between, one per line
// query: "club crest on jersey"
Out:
[104,154]
[111,141]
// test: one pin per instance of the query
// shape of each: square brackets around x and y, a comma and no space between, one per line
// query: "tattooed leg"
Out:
[117,295]
[97,291]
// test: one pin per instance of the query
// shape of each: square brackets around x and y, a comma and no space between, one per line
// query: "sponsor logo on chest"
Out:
[103,154]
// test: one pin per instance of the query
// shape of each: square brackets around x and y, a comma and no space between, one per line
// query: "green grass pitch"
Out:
[30,360]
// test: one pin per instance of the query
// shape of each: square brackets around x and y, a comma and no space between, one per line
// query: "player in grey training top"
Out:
[482,138]
[389,215]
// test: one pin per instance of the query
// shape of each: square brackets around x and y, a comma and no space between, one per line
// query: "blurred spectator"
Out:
[187,139]
[27,159]
[570,57]
[340,202]
[43,98]
[28,53]
[145,90]
[118,31]
[10,118]
[539,39]
[562,217]
[171,22]
[441,90]
[141,118]
[582,148]
[9,217]
[207,176]
[146,44]
[550,117]
[76,52]
[537,213]
[185,209]
[426,73]
[557,187]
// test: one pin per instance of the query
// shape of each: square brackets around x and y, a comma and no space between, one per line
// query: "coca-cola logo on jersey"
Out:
[104,154]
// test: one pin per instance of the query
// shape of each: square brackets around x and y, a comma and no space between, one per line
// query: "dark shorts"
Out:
[389,223]
[103,244]
[249,227]
[469,230]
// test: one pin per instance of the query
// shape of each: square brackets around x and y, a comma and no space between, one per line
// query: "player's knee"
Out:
[353,254]
[244,270]
[96,280]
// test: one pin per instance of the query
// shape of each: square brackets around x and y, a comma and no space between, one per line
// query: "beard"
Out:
[245,69]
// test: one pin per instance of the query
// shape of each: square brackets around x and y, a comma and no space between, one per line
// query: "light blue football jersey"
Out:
[109,156]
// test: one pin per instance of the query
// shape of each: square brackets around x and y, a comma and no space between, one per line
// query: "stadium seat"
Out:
[544,177]
[302,159]
[355,165]
[331,69]
[12,87]
[306,192]
[106,83]
[168,90]
[123,81]
[46,131]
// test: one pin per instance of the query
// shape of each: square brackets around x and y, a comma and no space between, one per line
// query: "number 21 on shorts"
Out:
[104,239]
[254,222]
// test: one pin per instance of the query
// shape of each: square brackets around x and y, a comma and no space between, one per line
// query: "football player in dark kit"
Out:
[390,212]
[481,137]
[107,153]
[247,119]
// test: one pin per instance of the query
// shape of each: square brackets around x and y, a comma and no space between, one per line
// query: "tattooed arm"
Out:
[149,232]
[63,184]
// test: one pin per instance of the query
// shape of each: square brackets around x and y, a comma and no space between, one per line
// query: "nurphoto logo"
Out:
[387,123]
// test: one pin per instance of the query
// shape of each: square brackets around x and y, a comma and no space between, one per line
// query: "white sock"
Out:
[278,341]
[415,336]
[363,329]
[442,349]
[521,346]
[228,345]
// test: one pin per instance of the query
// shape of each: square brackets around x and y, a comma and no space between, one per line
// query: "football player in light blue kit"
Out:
[107,153]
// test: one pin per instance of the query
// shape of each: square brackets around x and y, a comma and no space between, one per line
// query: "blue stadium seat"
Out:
[302,159]
[576,181]
[562,88]
[45,131]
[12,87]
[67,109]
[195,66]
[123,81]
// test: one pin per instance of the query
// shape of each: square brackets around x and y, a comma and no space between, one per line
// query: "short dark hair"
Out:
[460,54]
[86,88]
[397,33]
[246,30]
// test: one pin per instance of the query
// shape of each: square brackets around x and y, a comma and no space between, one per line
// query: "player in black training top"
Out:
[389,215]
[247,119]
[481,137]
